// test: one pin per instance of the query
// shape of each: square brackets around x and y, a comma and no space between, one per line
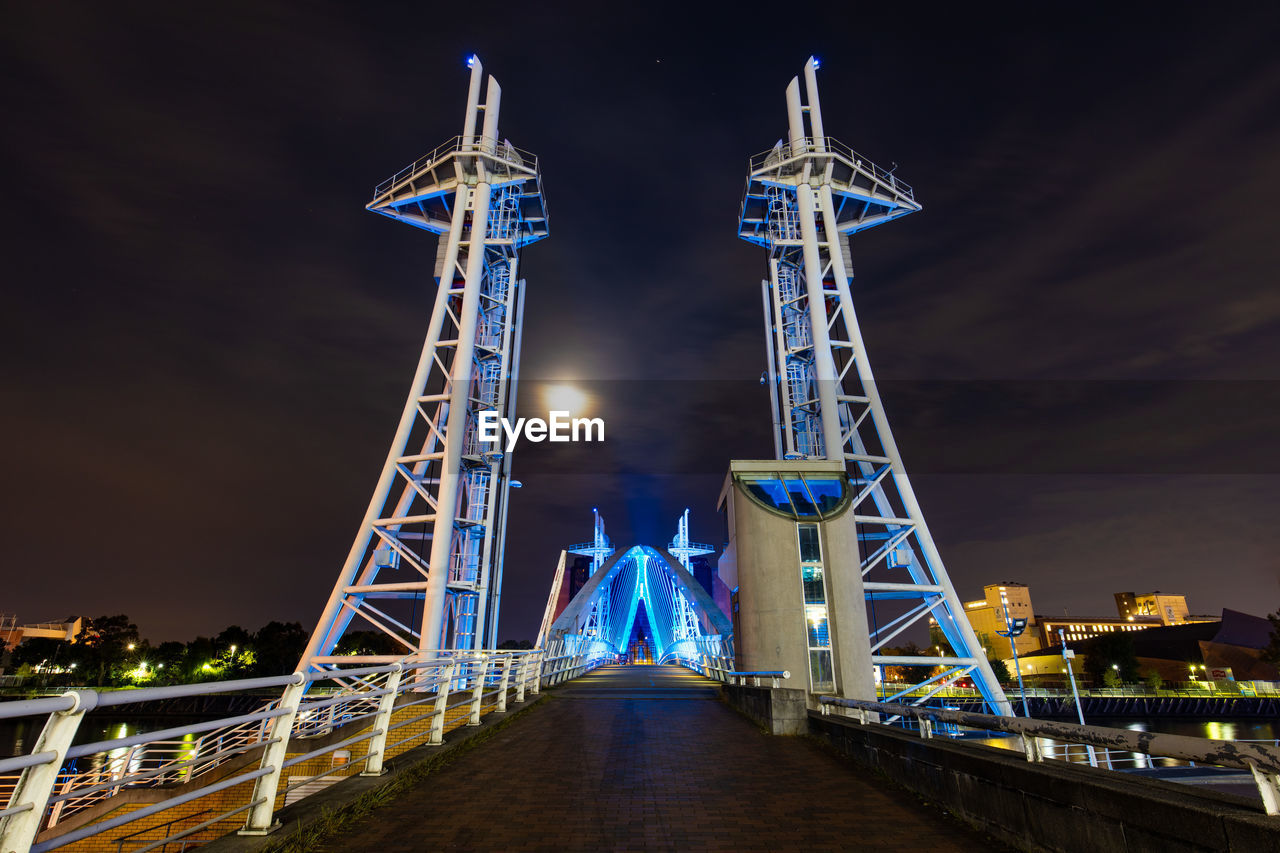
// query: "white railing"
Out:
[559,669]
[44,791]
[154,763]
[785,156]
[716,668]
[724,672]
[499,150]
[1260,758]
[1175,690]
[753,678]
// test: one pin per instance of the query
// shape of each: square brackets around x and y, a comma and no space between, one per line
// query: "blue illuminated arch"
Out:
[654,576]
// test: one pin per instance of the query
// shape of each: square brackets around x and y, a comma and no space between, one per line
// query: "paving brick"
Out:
[645,758]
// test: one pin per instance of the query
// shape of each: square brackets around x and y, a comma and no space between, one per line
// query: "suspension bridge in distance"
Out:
[659,706]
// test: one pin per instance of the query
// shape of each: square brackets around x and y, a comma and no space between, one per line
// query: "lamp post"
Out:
[1015,627]
[1067,655]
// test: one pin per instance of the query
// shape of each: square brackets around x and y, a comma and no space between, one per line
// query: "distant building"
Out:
[990,615]
[1077,629]
[1009,600]
[1226,649]
[704,573]
[1169,608]
[577,573]
[12,633]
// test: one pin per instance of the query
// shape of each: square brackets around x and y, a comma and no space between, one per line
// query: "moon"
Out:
[565,398]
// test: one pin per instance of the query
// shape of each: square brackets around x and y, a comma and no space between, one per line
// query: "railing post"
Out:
[443,690]
[537,674]
[265,787]
[1269,787]
[502,684]
[1031,746]
[477,693]
[382,723]
[522,674]
[121,767]
[35,785]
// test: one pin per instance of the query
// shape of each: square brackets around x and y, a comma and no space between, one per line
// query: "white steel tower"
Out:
[598,549]
[805,198]
[426,565]
[686,627]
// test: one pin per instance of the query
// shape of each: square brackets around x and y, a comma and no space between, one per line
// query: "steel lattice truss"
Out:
[598,549]
[686,622]
[426,564]
[805,198]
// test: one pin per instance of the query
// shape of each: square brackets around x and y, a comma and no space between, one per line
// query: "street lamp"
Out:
[1067,655]
[1015,628]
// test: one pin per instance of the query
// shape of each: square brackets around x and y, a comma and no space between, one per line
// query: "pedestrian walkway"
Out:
[646,758]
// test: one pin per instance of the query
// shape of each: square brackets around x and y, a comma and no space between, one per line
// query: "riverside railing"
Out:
[559,669]
[1262,760]
[1181,690]
[47,790]
[750,679]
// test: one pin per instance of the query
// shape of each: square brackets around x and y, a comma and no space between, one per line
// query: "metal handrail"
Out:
[1261,760]
[828,146]
[44,792]
[1183,691]
[775,676]
[480,145]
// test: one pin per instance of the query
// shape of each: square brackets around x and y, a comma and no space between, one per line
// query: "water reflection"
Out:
[1245,730]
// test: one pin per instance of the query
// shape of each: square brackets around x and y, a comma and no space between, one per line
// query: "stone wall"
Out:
[1053,805]
[779,710]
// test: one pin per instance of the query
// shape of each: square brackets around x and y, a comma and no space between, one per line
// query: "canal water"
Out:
[1267,731]
[18,737]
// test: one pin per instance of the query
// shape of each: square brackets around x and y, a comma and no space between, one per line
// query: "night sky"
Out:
[207,340]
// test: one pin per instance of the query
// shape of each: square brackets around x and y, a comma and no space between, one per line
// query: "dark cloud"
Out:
[207,340]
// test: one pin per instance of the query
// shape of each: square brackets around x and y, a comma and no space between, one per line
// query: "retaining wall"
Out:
[1053,805]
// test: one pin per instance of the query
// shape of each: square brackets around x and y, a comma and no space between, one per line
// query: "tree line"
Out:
[110,652]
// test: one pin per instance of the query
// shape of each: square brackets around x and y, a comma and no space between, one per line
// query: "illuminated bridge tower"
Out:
[805,199]
[426,565]
[598,549]
[686,620]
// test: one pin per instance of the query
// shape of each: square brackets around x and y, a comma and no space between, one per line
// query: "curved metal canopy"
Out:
[654,576]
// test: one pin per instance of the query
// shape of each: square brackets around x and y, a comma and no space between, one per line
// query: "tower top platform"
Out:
[865,194]
[420,193]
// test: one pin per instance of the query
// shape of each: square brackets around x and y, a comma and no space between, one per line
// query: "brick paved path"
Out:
[645,758]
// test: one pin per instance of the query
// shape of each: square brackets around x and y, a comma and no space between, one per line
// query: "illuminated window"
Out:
[817,626]
[810,546]
[798,496]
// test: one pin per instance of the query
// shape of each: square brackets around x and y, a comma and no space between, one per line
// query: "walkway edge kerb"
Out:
[309,813]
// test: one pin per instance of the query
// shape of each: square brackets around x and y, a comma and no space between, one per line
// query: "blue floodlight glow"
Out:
[817,63]
[472,60]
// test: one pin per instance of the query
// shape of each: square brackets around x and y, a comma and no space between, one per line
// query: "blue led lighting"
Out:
[817,63]
[472,60]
